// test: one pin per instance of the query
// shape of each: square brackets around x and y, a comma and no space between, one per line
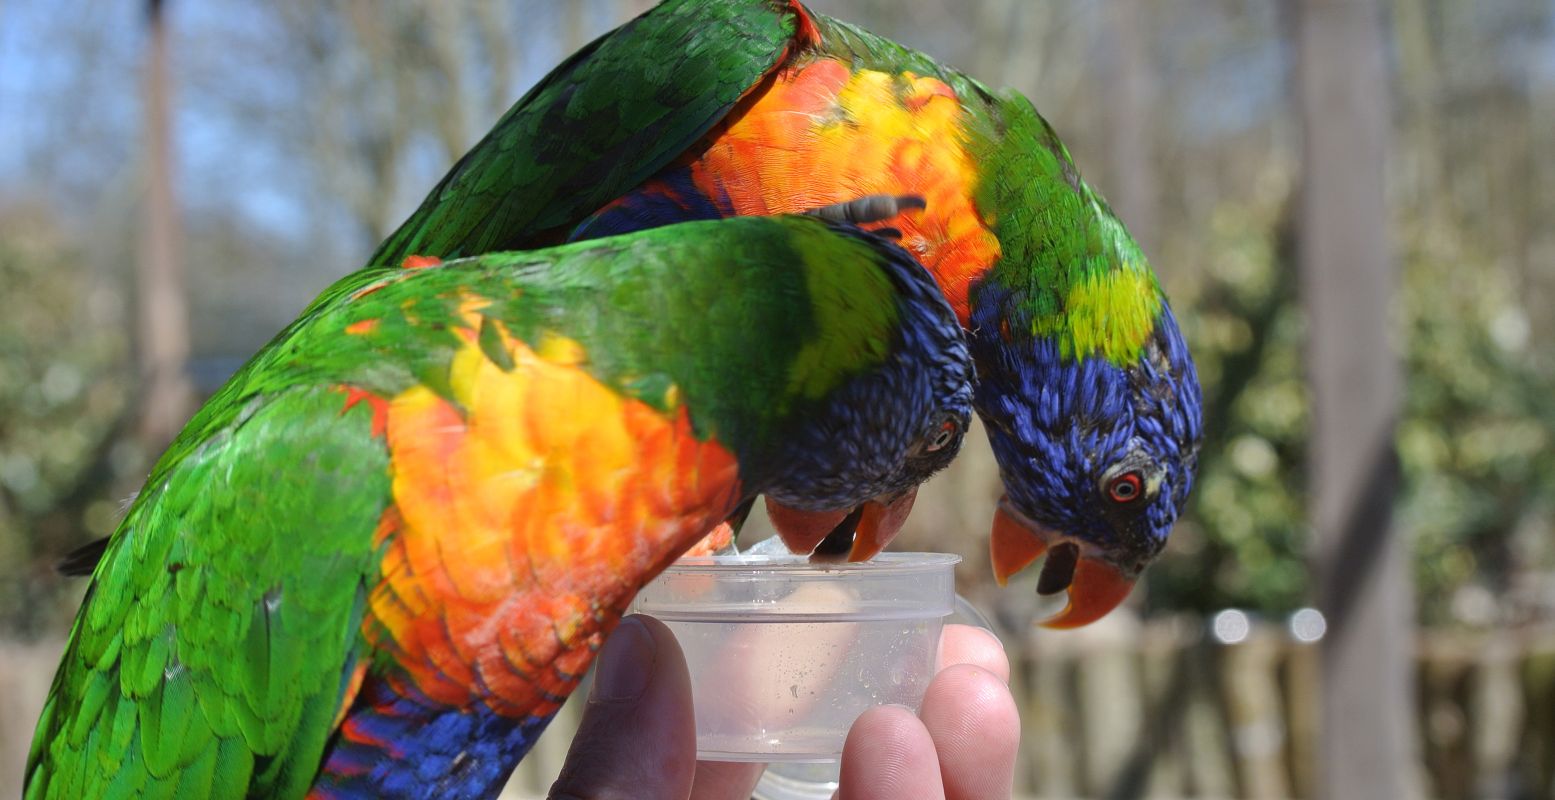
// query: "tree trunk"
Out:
[1348,282]
[162,307]
[1133,123]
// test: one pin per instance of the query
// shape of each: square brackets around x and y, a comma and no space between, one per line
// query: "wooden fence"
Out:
[1160,710]
[1166,711]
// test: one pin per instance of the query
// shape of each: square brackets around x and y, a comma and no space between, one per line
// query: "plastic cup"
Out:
[785,655]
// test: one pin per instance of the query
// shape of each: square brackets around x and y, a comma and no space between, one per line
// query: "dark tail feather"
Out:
[83,560]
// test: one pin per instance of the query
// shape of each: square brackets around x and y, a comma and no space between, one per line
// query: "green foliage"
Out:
[1242,542]
[1474,437]
[63,389]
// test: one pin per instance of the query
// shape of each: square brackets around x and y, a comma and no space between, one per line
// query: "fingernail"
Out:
[625,663]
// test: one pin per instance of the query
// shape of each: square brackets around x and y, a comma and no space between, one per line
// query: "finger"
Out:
[969,644]
[889,755]
[972,720]
[725,780]
[637,738]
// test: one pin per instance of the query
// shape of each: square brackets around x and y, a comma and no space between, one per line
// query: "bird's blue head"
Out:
[1094,415]
[851,468]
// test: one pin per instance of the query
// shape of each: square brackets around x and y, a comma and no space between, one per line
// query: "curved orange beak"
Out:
[829,535]
[881,522]
[1094,586]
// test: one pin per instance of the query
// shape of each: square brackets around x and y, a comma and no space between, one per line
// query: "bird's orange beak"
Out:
[881,521]
[1095,587]
[829,535]
[802,531]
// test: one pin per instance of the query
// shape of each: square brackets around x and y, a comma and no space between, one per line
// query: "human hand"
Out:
[638,738]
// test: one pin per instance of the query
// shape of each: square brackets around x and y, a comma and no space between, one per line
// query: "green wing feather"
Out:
[211,653]
[602,122]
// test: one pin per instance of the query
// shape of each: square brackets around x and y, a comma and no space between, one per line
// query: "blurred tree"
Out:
[1476,439]
[1474,434]
[64,380]
[162,307]
[1349,286]
[1243,543]
[1128,81]
[392,82]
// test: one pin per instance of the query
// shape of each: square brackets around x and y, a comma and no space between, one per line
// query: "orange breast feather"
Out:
[527,513]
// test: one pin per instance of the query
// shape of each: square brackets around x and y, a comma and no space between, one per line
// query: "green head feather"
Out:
[1073,271]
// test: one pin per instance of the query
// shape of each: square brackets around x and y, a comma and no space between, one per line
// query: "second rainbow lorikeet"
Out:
[380,557]
[700,109]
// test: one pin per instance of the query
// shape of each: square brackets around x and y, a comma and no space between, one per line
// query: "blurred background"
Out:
[178,179]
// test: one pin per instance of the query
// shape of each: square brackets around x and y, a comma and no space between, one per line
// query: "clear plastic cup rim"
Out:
[790,567]
[767,588]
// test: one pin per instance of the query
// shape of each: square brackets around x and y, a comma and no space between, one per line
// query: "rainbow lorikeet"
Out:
[380,557]
[701,109]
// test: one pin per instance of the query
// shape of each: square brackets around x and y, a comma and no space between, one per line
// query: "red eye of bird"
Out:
[1125,488]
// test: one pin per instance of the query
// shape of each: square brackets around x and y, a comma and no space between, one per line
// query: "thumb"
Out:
[638,737]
